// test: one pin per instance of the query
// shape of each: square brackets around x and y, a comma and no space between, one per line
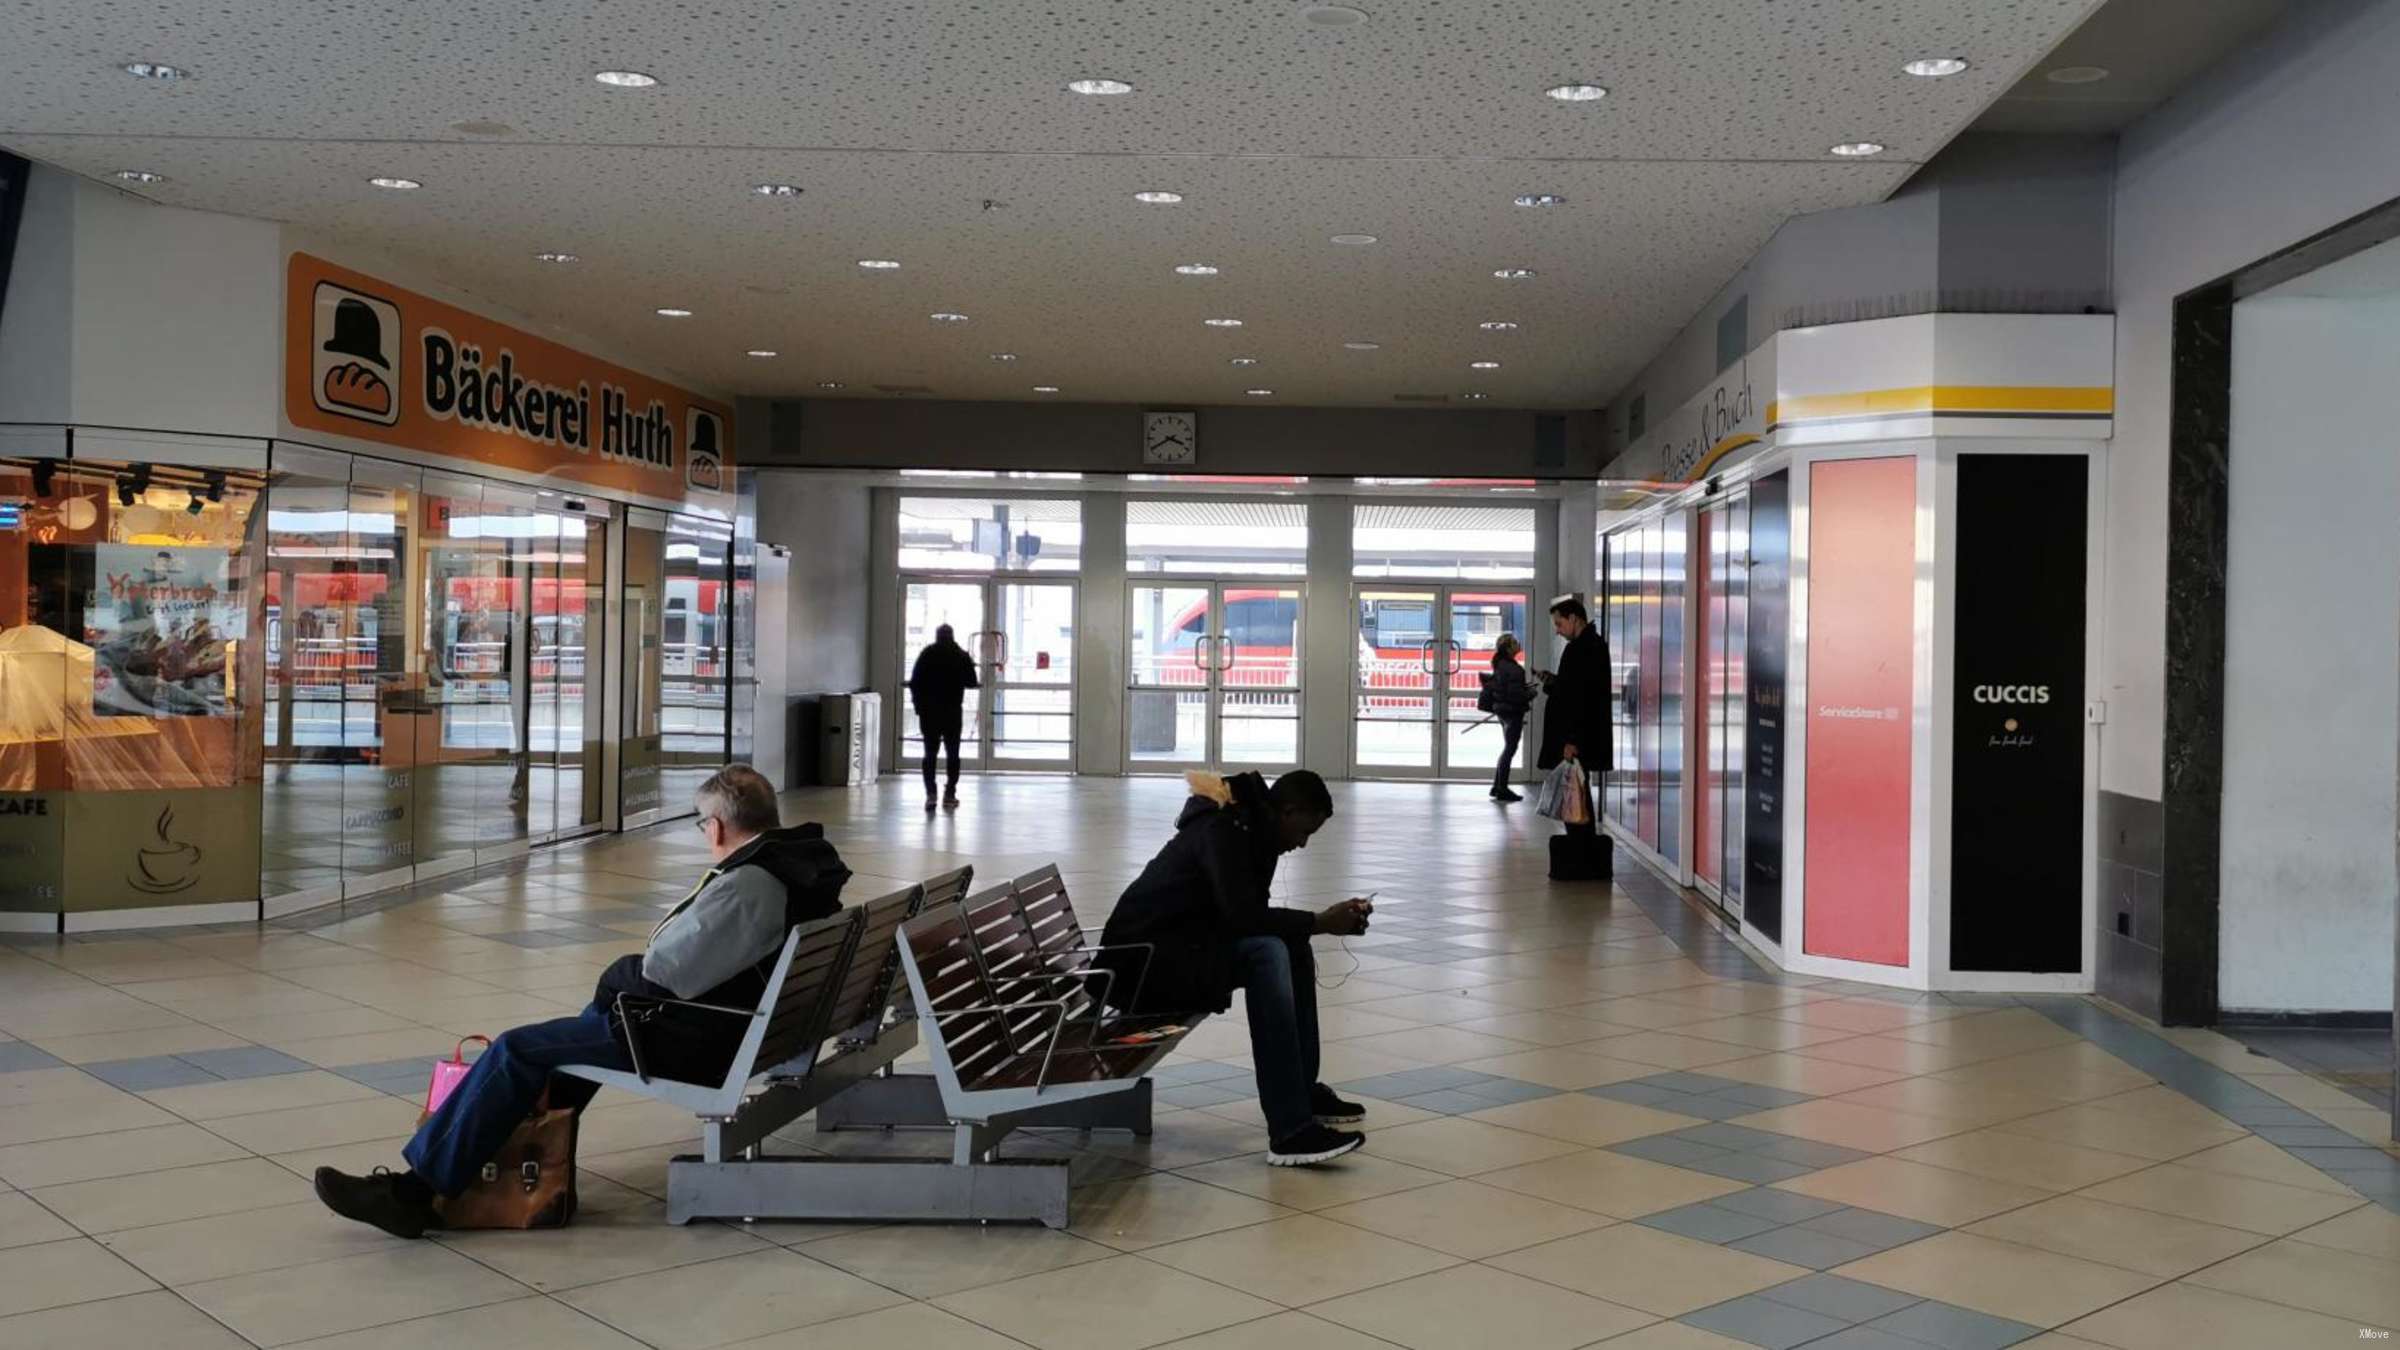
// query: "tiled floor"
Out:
[1594,1120]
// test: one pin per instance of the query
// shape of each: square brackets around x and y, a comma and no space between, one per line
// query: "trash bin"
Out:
[850,739]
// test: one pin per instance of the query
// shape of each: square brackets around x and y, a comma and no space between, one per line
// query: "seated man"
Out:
[1201,910]
[717,945]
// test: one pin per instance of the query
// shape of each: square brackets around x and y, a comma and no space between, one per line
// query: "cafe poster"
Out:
[160,622]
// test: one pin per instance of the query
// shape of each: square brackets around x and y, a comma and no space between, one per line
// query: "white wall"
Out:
[36,355]
[2295,134]
[2312,658]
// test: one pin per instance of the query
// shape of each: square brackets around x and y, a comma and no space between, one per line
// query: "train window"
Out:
[1399,623]
[1262,622]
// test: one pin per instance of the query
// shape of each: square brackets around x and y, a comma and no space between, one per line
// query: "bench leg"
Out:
[913,1099]
[878,1190]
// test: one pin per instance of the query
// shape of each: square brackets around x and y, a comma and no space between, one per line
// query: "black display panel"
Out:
[1762,739]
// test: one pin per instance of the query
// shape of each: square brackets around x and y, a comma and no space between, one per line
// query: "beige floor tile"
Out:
[1459,1146]
[1300,1260]
[1548,1027]
[2007,1031]
[2261,1161]
[1612,1183]
[2093,1125]
[55,1274]
[1186,1138]
[1915,1190]
[735,1299]
[2309,1094]
[363,1156]
[2223,1199]
[252,1096]
[2002,1279]
[524,1324]
[1970,1106]
[372,1047]
[82,1113]
[1590,1121]
[1466,1218]
[2365,1123]
[112,1045]
[908,1326]
[55,1162]
[2118,1235]
[245,1243]
[1671,1336]
[51,1086]
[2369,1230]
[1124,1303]
[1872,1128]
[1567,1070]
[1284,1331]
[1643,1012]
[1764,1031]
[300,1127]
[1380,1115]
[1668,1050]
[1472,1307]
[928,1260]
[355,1292]
[2302,1275]
[23,1222]
[2058,1340]
[1359,1176]
[610,1239]
[1795,1072]
[1643,1268]
[1893,1053]
[2043,1163]
[1152,1210]
[158,1320]
[2189,1317]
[282,1033]
[613,1129]
[169,1196]
[1437,1044]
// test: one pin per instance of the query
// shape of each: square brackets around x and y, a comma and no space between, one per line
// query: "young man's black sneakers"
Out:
[1330,1109]
[400,1204]
[1312,1144]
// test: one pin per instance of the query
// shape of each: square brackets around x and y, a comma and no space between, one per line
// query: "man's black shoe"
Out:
[399,1204]
[1313,1144]
[1506,795]
[1330,1109]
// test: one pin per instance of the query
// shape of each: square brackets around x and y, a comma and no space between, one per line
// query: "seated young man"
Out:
[716,946]
[1196,924]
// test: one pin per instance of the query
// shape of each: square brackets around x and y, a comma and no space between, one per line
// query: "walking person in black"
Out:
[1577,725]
[1512,698]
[937,688]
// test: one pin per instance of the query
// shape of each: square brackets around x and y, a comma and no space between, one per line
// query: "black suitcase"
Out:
[1582,857]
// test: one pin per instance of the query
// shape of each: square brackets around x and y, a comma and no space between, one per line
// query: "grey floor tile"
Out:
[2305,1136]
[1763,1322]
[1866,1338]
[1752,1167]
[1736,1137]
[149,1073]
[1636,1092]
[1870,1228]
[1198,1094]
[1707,1106]
[1708,1223]
[382,1070]
[1800,1247]
[1691,1082]
[1781,1206]
[16,1056]
[1951,1327]
[1666,1148]
[247,1061]
[1506,1091]
[1439,1077]
[1843,1299]
[1762,1097]
[1448,1101]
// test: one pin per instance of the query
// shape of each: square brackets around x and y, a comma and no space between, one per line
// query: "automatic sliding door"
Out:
[694,642]
[1399,653]
[1171,645]
[513,807]
[1473,622]
[641,726]
[925,608]
[307,646]
[1029,675]
[567,657]
[1257,676]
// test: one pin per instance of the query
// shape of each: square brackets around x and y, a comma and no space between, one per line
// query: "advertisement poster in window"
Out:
[159,623]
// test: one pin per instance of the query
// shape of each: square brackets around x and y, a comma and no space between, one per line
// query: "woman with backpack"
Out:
[1507,696]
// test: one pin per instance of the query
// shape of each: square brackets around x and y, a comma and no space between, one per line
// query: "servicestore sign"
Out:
[370,360]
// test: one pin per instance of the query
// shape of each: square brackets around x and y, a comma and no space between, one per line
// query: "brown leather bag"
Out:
[530,1184]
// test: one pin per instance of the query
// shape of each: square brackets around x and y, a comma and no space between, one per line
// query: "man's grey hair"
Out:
[741,797]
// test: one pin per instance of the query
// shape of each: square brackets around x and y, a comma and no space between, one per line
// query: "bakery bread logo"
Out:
[704,462]
[356,371]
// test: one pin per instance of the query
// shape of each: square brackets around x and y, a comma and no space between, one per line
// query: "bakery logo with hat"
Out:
[357,355]
[704,462]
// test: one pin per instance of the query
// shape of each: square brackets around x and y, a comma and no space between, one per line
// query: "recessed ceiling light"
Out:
[556,257]
[774,190]
[1576,93]
[1475,398]
[1497,326]
[1243,361]
[1195,270]
[945,316]
[1541,199]
[1258,393]
[1483,365]
[625,79]
[153,70]
[1514,273]
[1045,389]
[829,384]
[141,176]
[761,351]
[1222,323]
[1155,197]
[2077,75]
[670,312]
[1354,240]
[1101,87]
[1332,16]
[1858,149]
[1935,67]
[397,184]
[1362,346]
[879,264]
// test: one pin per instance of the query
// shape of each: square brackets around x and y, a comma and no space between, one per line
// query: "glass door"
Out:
[1022,637]
[1721,577]
[925,608]
[1213,675]
[1421,653]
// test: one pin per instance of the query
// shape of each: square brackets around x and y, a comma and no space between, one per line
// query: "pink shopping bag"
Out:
[447,1074]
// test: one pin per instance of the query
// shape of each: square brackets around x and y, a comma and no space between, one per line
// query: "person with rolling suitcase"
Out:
[1576,729]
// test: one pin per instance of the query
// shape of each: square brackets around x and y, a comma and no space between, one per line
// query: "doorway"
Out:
[1418,666]
[1721,604]
[1022,637]
[1213,675]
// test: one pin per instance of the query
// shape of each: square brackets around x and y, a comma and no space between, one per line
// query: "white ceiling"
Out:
[901,120]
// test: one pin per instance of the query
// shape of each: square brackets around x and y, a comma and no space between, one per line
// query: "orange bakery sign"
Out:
[370,360]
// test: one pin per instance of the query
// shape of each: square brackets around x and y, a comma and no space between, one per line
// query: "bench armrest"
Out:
[634,1009]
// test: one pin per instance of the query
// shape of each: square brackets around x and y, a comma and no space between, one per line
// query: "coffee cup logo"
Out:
[165,865]
[704,463]
[356,370]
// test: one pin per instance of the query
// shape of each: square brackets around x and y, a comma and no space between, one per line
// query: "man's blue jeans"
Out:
[454,1143]
[1279,986]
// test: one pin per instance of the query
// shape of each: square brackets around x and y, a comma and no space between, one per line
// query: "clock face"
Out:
[1170,437]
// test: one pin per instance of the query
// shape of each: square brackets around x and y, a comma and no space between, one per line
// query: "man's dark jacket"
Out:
[1579,713]
[1206,890]
[938,684]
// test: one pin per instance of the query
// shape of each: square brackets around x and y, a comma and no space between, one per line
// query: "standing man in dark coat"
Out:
[1578,725]
[937,688]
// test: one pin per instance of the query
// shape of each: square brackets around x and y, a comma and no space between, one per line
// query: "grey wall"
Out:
[825,524]
[1106,438]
